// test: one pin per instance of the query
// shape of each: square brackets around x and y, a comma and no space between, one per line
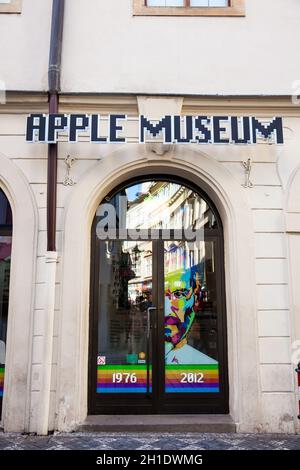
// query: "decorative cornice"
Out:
[98,103]
[30,102]
[241,105]
[24,103]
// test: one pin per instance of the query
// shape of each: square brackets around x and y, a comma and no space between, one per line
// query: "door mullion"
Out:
[154,327]
[160,324]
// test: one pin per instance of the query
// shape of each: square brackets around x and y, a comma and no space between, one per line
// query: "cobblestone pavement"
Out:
[150,441]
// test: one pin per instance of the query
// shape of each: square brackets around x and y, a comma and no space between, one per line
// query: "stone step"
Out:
[159,423]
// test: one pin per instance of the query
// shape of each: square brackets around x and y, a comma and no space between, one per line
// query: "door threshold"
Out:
[159,423]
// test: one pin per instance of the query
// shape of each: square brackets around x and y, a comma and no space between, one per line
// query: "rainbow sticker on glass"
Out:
[127,378]
[1,380]
[192,378]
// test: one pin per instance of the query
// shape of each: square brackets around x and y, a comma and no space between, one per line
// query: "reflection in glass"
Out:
[5,257]
[165,205]
[5,253]
[5,212]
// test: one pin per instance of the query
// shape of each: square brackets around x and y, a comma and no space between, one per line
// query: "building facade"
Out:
[166,324]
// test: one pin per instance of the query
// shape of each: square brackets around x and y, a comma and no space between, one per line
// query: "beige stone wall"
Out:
[267,272]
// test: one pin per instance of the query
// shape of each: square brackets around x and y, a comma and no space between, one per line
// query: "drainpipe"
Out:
[298,377]
[54,73]
[51,258]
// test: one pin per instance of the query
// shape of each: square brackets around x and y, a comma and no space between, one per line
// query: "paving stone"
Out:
[149,441]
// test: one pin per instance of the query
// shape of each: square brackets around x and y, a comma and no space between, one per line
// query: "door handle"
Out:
[149,310]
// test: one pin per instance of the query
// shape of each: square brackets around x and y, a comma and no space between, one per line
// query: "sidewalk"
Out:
[150,441]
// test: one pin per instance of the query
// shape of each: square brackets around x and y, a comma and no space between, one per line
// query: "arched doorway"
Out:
[158,310]
[5,259]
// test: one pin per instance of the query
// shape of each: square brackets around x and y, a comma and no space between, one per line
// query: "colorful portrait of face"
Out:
[182,301]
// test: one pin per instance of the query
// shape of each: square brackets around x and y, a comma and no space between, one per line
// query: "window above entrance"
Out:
[189,7]
[10,6]
[187,3]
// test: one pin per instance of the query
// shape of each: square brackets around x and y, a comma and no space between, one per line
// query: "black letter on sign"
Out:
[218,130]
[206,139]
[246,139]
[34,129]
[75,126]
[94,131]
[57,122]
[188,132]
[154,129]
[267,130]
[114,129]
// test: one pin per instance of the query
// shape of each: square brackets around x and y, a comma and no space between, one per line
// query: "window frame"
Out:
[14,7]
[236,8]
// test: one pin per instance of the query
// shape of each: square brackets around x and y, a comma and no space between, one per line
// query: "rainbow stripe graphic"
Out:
[192,378]
[1,380]
[123,378]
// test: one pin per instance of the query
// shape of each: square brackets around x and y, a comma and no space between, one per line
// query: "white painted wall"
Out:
[24,46]
[107,49]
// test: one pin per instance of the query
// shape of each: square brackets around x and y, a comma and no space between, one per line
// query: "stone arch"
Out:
[293,193]
[131,161]
[16,401]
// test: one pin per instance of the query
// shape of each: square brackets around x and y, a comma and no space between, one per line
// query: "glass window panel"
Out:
[166,3]
[124,358]
[209,3]
[5,210]
[191,315]
[199,3]
[125,294]
[5,254]
[182,3]
[218,3]
[5,257]
[156,3]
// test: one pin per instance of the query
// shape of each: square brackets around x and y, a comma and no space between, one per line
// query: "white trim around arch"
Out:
[16,402]
[228,196]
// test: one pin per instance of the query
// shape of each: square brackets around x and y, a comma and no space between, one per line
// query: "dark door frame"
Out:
[132,404]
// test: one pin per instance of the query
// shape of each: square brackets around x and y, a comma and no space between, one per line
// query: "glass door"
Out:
[5,253]
[191,343]
[158,324]
[125,326]
[124,354]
